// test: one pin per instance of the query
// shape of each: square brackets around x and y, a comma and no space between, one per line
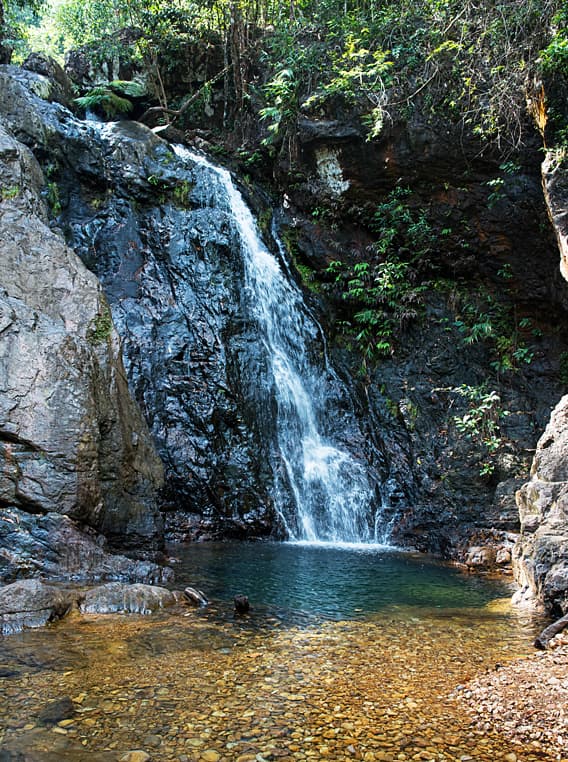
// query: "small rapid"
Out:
[332,498]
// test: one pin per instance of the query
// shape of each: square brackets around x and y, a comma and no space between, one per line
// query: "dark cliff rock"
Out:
[169,267]
[490,219]
[494,251]
[173,278]
[72,442]
[173,281]
[52,545]
[180,71]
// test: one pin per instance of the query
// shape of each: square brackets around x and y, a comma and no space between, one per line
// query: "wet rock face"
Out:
[118,598]
[434,487]
[72,442]
[172,274]
[541,555]
[170,269]
[31,603]
[173,277]
[53,545]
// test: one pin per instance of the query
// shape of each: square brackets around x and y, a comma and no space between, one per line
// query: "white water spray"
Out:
[331,491]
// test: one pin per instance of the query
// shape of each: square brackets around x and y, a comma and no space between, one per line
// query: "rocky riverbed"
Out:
[207,686]
[527,700]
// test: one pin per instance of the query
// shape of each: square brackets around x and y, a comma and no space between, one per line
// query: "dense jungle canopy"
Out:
[476,62]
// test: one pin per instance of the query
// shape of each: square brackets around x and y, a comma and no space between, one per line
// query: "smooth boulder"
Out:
[115,597]
[30,603]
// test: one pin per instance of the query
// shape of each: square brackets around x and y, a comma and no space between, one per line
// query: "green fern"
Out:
[107,98]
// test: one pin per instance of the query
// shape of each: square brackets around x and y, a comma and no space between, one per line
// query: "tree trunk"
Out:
[549,632]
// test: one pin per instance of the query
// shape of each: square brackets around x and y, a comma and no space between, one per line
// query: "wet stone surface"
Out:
[194,688]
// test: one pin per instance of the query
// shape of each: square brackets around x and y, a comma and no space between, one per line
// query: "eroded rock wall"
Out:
[169,268]
[72,442]
[492,257]
[555,182]
[541,553]
[169,264]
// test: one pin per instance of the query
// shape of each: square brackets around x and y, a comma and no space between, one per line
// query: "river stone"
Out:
[31,603]
[481,557]
[56,711]
[210,755]
[115,597]
[137,755]
[503,556]
[153,740]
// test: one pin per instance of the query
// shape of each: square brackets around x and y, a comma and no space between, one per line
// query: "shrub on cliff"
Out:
[471,64]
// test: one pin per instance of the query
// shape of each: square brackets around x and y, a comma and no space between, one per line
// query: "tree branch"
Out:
[176,113]
[549,632]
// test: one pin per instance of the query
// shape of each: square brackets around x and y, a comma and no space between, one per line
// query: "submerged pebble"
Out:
[135,756]
[372,690]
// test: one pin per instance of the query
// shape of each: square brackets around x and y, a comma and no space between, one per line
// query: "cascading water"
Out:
[331,492]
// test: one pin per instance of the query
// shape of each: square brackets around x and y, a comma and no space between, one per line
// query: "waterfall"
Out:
[332,497]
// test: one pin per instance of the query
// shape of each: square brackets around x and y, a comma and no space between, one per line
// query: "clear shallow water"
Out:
[349,653]
[328,581]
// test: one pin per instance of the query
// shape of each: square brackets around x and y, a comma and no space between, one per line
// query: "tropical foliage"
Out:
[386,293]
[16,17]
[110,98]
[481,422]
[470,62]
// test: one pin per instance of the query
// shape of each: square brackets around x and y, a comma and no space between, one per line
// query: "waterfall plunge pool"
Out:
[349,654]
[309,581]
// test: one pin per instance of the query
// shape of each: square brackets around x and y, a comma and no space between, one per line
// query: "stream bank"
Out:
[526,699]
